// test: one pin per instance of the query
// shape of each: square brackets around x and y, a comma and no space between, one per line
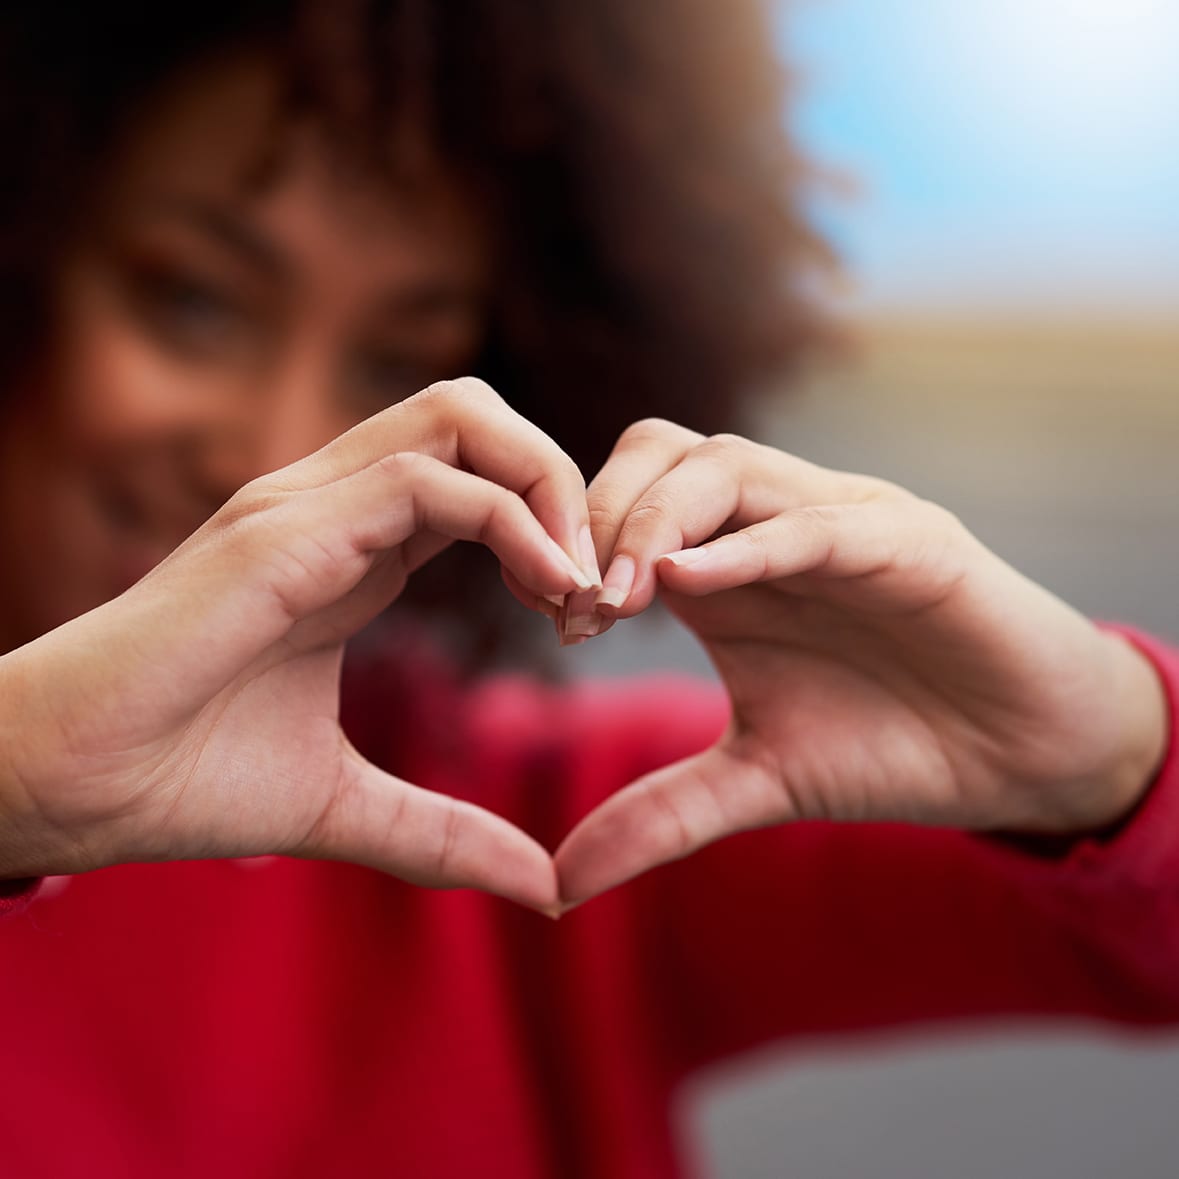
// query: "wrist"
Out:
[23,847]
[1141,728]
[15,858]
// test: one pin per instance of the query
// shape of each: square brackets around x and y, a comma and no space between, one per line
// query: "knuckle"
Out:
[677,832]
[819,514]
[602,514]
[649,430]
[761,547]
[815,525]
[931,516]
[256,498]
[756,539]
[949,520]
[726,443]
[505,513]
[867,490]
[448,842]
[651,511]
[407,465]
[648,522]
[731,451]
[816,531]
[460,391]
[817,518]
[874,487]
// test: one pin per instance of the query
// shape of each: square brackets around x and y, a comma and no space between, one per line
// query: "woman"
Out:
[270,224]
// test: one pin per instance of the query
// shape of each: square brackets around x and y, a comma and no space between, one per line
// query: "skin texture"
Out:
[214,331]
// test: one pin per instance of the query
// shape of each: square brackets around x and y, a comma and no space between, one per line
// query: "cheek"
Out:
[102,406]
[48,522]
[110,389]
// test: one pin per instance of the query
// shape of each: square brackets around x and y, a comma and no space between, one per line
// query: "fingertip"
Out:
[592,860]
[532,882]
[443,842]
[607,623]
[589,557]
[580,618]
[685,558]
[610,602]
[691,571]
[571,569]
[616,585]
[547,604]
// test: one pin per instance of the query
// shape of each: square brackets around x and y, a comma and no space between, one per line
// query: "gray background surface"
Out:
[1059,446]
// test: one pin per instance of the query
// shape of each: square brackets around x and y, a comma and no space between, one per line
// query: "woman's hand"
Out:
[196,715]
[882,664]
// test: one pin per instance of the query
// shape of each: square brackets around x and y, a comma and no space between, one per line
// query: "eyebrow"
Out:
[231,232]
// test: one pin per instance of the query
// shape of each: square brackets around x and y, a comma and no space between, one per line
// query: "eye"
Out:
[383,376]
[187,311]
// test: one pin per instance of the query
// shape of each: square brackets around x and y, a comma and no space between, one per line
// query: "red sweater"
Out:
[318,1019]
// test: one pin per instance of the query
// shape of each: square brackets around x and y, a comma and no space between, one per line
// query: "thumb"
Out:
[429,839]
[667,815]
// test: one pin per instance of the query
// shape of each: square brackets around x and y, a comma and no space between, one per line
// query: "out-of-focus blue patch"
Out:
[1012,151]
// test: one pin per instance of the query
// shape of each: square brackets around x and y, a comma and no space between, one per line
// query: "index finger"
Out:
[644,453]
[466,424]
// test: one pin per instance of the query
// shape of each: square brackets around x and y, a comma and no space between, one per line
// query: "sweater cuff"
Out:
[16,895]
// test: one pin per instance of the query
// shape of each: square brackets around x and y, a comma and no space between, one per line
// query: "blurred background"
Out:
[1004,195]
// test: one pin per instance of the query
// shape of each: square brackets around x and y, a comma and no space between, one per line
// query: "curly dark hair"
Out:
[631,158]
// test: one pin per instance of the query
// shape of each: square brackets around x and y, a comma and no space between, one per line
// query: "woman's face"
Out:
[208,328]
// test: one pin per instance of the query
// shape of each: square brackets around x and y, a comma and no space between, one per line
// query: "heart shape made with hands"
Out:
[616,840]
[869,647]
[624,836]
[880,663]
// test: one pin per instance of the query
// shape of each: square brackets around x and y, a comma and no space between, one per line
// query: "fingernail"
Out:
[589,557]
[686,557]
[617,583]
[571,566]
[545,606]
[551,911]
[557,600]
[581,617]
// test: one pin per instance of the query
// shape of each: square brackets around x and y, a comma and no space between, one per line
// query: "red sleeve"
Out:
[810,928]
[821,928]
[15,895]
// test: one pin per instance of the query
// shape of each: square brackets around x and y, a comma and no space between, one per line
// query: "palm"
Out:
[212,760]
[950,691]
[864,709]
[260,765]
